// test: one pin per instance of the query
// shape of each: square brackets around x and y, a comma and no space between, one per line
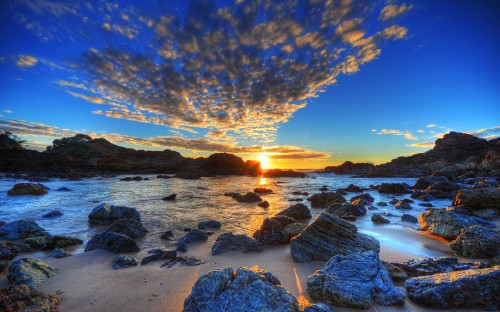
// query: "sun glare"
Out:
[265,163]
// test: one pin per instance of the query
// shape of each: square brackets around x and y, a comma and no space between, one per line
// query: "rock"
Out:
[122,262]
[324,188]
[402,205]
[113,242]
[354,280]
[160,255]
[167,235]
[364,199]
[395,272]
[264,204]
[284,220]
[22,229]
[209,224]
[106,214]
[424,182]
[297,211]
[231,242]
[349,167]
[447,224]
[323,200]
[382,204]
[449,171]
[29,271]
[300,193]
[182,261]
[377,218]
[57,241]
[194,235]
[22,298]
[249,198]
[232,194]
[262,190]
[296,199]
[27,189]
[394,188]
[293,229]
[474,199]
[477,242]
[188,176]
[278,173]
[240,291]
[318,307]
[486,214]
[409,218]
[430,266]
[458,290]
[170,197]
[64,189]
[327,236]
[53,214]
[136,178]
[270,233]
[353,188]
[128,227]
[346,209]
[163,176]
[59,253]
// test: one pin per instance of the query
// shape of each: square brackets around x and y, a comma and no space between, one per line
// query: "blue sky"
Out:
[302,82]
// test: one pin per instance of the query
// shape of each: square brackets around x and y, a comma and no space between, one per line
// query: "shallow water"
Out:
[198,200]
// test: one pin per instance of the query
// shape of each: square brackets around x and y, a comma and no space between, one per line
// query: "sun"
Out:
[265,162]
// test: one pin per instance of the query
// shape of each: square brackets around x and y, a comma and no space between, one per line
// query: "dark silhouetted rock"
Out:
[355,280]
[160,255]
[262,190]
[29,271]
[284,220]
[293,229]
[402,205]
[169,197]
[22,298]
[58,241]
[346,210]
[53,214]
[474,199]
[394,188]
[323,200]
[64,189]
[382,204]
[129,227]
[297,211]
[270,233]
[457,290]
[167,235]
[106,214]
[27,189]
[264,204]
[240,291]
[188,176]
[113,242]
[377,218]
[477,242]
[128,179]
[278,173]
[182,261]
[59,253]
[249,198]
[363,199]
[349,167]
[327,236]
[424,182]
[123,262]
[395,272]
[21,229]
[353,189]
[209,224]
[231,242]
[300,193]
[194,235]
[409,218]
[430,266]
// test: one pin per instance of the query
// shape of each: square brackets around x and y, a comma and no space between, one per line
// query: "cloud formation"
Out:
[406,134]
[392,10]
[25,61]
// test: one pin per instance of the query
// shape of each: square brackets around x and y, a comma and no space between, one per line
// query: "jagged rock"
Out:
[394,188]
[53,214]
[364,199]
[458,290]
[447,224]
[346,209]
[160,255]
[122,262]
[59,253]
[318,307]
[284,220]
[486,214]
[167,235]
[231,242]
[353,189]
[395,272]
[249,198]
[327,236]
[355,280]
[430,266]
[262,190]
[8,251]
[450,172]
[349,167]
[323,200]
[424,182]
[293,229]
[409,218]
[264,204]
[240,291]
[128,227]
[29,271]
[27,189]
[182,261]
[57,241]
[209,224]
[477,242]
[22,229]
[297,211]
[377,218]
[270,233]
[113,242]
[22,298]
[402,205]
[382,204]
[170,197]
[194,235]
[106,214]
[474,199]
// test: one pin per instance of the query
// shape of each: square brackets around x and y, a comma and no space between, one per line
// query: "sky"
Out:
[296,83]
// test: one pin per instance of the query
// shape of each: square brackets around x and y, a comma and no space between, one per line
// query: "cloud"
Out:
[432,125]
[391,11]
[409,136]
[25,61]
[8,111]
[422,144]
[406,134]
[421,131]
[92,99]
[487,133]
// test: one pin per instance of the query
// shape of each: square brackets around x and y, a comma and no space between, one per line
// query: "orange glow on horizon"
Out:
[265,162]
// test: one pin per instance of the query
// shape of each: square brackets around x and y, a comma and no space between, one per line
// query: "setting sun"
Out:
[265,162]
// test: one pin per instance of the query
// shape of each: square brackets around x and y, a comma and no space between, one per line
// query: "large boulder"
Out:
[231,242]
[271,233]
[394,188]
[327,236]
[106,214]
[476,289]
[249,198]
[354,280]
[446,223]
[297,211]
[477,242]
[474,199]
[363,199]
[194,235]
[430,266]
[130,227]
[243,290]
[113,242]
[29,271]
[323,200]
[21,229]
[27,189]
[346,209]
[22,298]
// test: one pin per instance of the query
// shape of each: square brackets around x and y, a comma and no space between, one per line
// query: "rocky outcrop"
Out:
[318,307]
[349,167]
[377,218]
[248,198]
[22,298]
[293,229]
[362,199]
[477,242]
[123,262]
[159,255]
[297,211]
[458,290]
[446,223]
[323,200]
[270,233]
[356,280]
[264,204]
[113,242]
[284,220]
[243,290]
[474,199]
[346,210]
[106,214]
[194,235]
[229,164]
[129,227]
[182,261]
[430,266]
[409,218]
[8,251]
[278,173]
[27,189]
[262,190]
[29,271]
[59,253]
[327,236]
[21,229]
[231,242]
[394,188]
